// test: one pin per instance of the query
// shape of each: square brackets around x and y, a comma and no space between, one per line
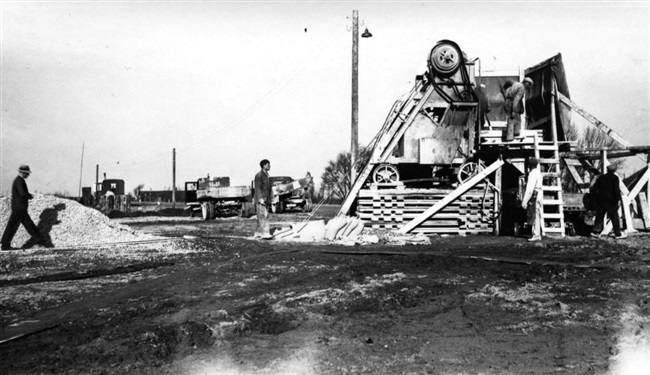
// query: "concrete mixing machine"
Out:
[429,135]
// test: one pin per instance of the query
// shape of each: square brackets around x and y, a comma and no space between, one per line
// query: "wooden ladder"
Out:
[394,128]
[548,155]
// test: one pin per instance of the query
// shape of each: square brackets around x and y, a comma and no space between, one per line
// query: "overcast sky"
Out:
[230,83]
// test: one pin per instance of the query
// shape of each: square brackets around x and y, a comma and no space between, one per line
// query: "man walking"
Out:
[20,197]
[607,192]
[263,197]
[514,107]
[532,201]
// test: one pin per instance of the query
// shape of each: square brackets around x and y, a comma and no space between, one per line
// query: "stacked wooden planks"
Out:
[471,213]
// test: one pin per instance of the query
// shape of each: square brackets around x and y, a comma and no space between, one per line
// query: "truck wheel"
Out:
[244,212]
[205,210]
[276,208]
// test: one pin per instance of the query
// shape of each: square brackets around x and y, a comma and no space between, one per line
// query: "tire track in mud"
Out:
[57,316]
[508,260]
[69,276]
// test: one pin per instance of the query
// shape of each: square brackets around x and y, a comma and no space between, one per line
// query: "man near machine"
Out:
[483,106]
[20,197]
[110,200]
[607,192]
[532,200]
[263,197]
[514,107]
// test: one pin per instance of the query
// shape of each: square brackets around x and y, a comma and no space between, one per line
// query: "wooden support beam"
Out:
[555,93]
[647,194]
[584,187]
[385,153]
[391,136]
[541,121]
[460,190]
[599,124]
[644,209]
[639,185]
[627,197]
[498,201]
[573,162]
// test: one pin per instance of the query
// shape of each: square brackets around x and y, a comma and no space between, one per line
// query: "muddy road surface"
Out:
[206,298]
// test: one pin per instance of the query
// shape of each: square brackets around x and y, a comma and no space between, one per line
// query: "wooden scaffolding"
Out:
[475,205]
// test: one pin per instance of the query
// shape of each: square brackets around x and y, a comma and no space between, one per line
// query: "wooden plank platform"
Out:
[472,213]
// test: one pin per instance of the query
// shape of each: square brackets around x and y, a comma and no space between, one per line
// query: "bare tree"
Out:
[137,190]
[336,177]
[592,137]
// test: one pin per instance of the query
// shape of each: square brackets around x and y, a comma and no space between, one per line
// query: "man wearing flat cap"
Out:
[607,192]
[514,107]
[20,197]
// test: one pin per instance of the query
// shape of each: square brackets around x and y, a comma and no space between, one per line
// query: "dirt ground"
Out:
[209,299]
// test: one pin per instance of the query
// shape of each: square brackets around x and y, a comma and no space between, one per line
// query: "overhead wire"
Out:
[292,74]
[254,107]
[285,81]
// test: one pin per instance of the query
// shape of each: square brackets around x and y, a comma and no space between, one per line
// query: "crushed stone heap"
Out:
[67,223]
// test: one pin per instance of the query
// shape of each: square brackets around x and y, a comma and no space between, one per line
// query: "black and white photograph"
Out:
[325,187]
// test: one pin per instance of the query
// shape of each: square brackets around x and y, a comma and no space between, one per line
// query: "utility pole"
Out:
[96,183]
[81,170]
[174,178]
[354,147]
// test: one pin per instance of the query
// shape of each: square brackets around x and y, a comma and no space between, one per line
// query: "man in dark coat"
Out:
[483,106]
[263,197]
[514,107]
[20,197]
[607,192]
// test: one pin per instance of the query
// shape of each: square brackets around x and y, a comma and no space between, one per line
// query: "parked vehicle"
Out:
[290,194]
[215,197]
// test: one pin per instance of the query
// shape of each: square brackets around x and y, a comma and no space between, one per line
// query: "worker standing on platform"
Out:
[514,107]
[263,197]
[532,200]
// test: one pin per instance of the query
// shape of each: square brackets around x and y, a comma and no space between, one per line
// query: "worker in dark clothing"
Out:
[514,107]
[20,197]
[607,192]
[483,106]
[110,199]
[263,197]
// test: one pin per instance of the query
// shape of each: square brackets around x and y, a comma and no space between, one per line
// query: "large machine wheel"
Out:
[207,210]
[385,173]
[467,171]
[445,58]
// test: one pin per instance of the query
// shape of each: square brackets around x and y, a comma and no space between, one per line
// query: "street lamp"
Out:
[354,149]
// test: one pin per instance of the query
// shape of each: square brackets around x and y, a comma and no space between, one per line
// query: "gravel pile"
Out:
[68,223]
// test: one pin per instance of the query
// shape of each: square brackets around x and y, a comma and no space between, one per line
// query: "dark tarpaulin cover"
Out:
[538,105]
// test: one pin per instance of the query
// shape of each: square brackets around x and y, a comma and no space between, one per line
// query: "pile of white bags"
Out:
[345,230]
[339,228]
